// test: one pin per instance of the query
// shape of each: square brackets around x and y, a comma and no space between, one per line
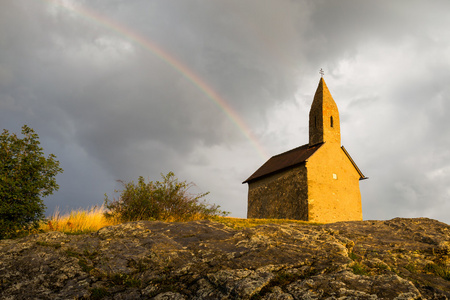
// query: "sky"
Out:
[210,89]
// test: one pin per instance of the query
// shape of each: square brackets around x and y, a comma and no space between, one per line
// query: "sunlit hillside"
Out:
[84,221]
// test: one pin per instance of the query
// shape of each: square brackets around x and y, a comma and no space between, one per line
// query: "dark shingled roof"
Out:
[284,161]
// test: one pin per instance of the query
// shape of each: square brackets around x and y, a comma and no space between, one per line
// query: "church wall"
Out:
[333,186]
[279,196]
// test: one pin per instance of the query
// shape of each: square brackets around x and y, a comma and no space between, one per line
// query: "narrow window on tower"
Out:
[331,121]
[315,122]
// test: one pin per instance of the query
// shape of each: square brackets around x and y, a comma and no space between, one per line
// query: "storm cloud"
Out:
[82,74]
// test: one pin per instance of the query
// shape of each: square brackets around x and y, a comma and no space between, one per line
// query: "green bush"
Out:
[25,176]
[166,200]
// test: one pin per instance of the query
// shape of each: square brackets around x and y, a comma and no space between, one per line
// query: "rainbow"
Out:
[174,63]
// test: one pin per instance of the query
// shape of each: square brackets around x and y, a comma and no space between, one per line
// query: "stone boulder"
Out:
[395,259]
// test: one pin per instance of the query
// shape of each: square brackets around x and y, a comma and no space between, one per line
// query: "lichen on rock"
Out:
[395,259]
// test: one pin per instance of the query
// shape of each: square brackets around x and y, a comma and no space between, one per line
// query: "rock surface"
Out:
[395,259]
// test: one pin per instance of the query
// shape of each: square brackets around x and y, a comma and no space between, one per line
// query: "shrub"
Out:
[167,200]
[25,176]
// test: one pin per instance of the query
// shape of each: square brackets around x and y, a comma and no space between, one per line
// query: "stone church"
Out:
[317,182]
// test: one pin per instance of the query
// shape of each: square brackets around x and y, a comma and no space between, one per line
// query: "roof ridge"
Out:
[298,148]
[285,160]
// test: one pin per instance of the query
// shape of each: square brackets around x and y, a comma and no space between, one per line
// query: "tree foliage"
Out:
[168,199]
[25,176]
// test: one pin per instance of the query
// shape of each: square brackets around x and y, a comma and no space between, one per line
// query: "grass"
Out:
[84,221]
[359,269]
[439,269]
[78,221]
[237,223]
[411,268]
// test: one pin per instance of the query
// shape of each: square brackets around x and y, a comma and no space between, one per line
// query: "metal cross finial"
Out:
[321,72]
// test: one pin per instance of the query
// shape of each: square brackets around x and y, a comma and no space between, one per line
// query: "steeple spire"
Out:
[324,125]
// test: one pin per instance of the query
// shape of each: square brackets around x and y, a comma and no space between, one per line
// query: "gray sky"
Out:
[91,82]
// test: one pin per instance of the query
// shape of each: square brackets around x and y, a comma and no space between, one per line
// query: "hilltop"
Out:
[394,259]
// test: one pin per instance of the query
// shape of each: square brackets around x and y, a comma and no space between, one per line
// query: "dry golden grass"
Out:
[84,221]
[78,221]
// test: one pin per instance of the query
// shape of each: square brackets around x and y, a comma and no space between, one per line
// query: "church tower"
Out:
[324,125]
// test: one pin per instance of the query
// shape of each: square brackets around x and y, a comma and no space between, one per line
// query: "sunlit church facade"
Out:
[318,181]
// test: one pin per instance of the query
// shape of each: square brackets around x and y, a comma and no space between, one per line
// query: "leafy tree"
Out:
[165,200]
[25,176]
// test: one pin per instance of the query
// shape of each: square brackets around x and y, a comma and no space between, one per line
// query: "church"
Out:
[316,182]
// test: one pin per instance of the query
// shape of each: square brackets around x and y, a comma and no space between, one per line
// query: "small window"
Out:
[315,122]
[334,176]
[331,121]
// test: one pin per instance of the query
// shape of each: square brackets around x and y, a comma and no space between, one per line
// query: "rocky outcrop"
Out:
[395,259]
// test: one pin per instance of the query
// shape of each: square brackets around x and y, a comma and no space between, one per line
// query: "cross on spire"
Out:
[321,72]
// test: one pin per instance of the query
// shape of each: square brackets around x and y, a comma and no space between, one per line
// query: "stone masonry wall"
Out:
[281,196]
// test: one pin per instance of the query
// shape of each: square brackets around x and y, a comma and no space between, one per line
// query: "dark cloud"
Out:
[110,108]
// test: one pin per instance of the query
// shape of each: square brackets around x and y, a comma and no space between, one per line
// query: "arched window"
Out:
[331,121]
